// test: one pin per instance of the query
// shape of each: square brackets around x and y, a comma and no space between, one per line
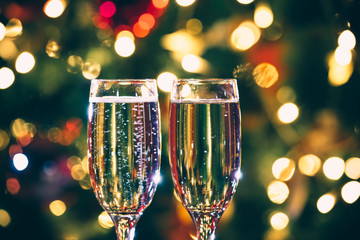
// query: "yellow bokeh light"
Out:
[285,94]
[2,31]
[334,168]
[7,77]
[326,202]
[191,63]
[342,55]
[53,49]
[4,218]
[4,139]
[352,168]
[13,28]
[57,207]
[124,46]
[194,26]
[347,40]
[265,75]
[85,164]
[339,74]
[183,42]
[185,3]
[105,220]
[279,220]
[77,172]
[278,192]
[350,192]
[25,62]
[263,16]
[245,1]
[288,113]
[185,91]
[74,64]
[91,69]
[8,49]
[245,36]
[309,164]
[126,33]
[165,80]
[283,169]
[54,8]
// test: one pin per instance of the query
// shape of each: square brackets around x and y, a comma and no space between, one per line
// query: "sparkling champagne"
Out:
[204,137]
[124,152]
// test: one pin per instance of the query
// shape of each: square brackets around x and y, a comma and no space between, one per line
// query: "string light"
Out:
[165,80]
[54,8]
[57,207]
[25,62]
[333,168]
[7,77]
[288,113]
[326,202]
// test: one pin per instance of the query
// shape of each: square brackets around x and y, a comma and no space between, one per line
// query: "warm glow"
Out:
[182,42]
[12,185]
[352,168]
[146,21]
[194,26]
[124,46]
[333,168]
[288,113]
[263,16]
[20,161]
[77,172]
[54,8]
[8,49]
[278,192]
[165,80]
[265,75]
[7,77]
[126,33]
[185,3]
[91,69]
[4,218]
[25,62]
[2,31]
[326,202]
[107,9]
[191,63]
[279,220]
[245,1]
[57,207]
[245,36]
[285,94]
[139,31]
[4,139]
[339,74]
[347,40]
[283,169]
[309,164]
[350,192]
[13,28]
[343,55]
[105,220]
[160,3]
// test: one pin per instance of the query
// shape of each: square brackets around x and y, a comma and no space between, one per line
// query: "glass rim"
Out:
[123,80]
[205,80]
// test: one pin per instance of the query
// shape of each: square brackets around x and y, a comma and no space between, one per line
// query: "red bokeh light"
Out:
[107,9]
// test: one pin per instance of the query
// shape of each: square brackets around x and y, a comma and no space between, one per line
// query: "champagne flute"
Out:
[204,143]
[124,148]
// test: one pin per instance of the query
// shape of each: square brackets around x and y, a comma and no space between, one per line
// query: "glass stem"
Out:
[125,226]
[206,224]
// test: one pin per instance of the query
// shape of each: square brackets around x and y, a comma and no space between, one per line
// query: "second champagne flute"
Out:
[204,139]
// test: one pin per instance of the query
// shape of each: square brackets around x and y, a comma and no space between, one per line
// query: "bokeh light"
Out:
[352,168]
[105,221]
[334,168]
[278,191]
[74,64]
[160,3]
[20,161]
[185,3]
[7,77]
[194,26]
[8,49]
[139,31]
[245,36]
[91,69]
[326,202]
[146,21]
[279,220]
[283,169]
[285,94]
[13,28]
[12,185]
[126,33]
[339,74]
[191,63]
[2,31]
[350,192]
[124,46]
[245,1]
[54,8]
[107,9]
[57,207]
[165,80]
[4,218]
[309,164]
[265,75]
[53,49]
[4,139]
[343,56]
[25,62]
[288,113]
[263,16]
[347,40]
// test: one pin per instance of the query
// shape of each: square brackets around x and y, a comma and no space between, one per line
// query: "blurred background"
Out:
[298,73]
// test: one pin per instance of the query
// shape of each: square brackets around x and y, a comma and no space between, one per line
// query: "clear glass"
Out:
[124,148]
[204,143]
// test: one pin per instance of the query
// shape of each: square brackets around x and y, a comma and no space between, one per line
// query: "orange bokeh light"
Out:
[160,3]
[13,185]
[146,21]
[139,31]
